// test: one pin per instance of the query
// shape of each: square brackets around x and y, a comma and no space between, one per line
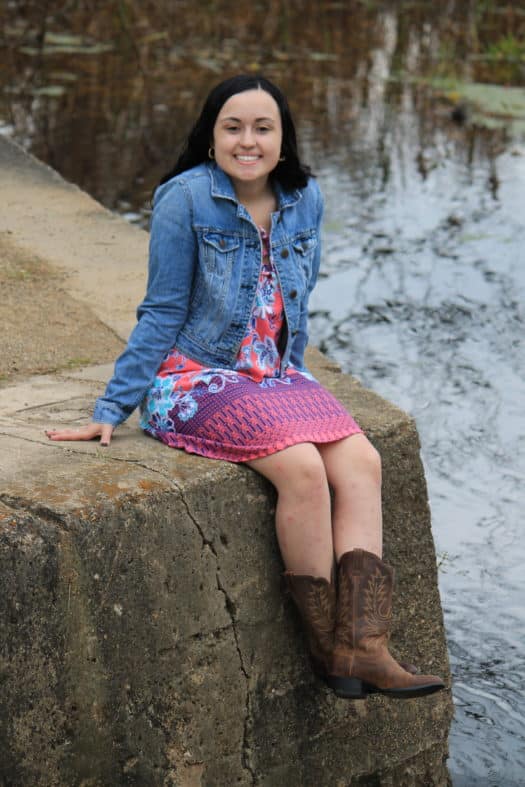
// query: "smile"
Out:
[247,159]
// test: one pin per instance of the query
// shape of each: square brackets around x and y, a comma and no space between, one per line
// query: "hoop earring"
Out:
[211,153]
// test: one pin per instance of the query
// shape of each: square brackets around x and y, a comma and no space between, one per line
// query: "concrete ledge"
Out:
[145,638]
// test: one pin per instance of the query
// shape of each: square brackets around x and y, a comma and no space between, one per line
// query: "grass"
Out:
[76,363]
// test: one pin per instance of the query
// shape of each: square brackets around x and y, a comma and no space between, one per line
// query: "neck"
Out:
[259,200]
[254,191]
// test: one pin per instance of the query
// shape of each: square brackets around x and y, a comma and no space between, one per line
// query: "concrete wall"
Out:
[144,636]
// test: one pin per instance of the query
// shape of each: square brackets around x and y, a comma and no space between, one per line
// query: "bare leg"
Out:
[353,468]
[302,520]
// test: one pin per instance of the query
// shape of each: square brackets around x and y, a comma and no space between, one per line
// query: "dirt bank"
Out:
[44,328]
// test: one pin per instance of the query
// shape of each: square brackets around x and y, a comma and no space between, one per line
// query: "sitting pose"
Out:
[216,364]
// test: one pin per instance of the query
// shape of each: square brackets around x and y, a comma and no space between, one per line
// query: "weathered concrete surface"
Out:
[102,255]
[144,637]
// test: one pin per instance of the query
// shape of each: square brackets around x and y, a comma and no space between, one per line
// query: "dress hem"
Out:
[238,454]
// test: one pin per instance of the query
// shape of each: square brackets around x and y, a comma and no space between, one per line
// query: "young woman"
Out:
[216,363]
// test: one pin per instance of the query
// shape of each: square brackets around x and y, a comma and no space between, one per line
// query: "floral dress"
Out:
[249,411]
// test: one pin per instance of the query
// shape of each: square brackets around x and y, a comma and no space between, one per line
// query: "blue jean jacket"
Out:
[204,259]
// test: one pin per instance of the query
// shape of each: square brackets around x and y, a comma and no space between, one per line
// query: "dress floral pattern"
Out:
[249,411]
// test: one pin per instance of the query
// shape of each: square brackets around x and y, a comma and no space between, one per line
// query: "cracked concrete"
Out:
[145,638]
[230,608]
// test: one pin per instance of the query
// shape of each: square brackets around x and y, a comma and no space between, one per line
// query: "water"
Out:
[422,293]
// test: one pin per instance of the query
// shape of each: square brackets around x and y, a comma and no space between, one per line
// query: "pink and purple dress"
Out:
[249,411]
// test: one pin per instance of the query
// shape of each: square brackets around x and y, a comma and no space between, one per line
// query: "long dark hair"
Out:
[290,173]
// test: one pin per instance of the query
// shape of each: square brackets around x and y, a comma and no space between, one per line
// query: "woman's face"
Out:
[247,137]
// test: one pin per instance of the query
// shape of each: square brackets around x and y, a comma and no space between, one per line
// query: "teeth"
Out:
[247,158]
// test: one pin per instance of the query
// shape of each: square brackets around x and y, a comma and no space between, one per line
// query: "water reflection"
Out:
[423,273]
[113,120]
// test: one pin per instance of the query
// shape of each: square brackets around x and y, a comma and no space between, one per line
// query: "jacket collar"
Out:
[222,187]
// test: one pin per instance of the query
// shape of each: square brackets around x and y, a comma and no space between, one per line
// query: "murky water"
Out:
[422,295]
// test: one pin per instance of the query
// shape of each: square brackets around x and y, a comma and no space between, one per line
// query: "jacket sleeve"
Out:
[162,313]
[301,338]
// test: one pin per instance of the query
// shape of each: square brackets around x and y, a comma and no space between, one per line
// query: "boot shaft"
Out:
[364,608]
[315,598]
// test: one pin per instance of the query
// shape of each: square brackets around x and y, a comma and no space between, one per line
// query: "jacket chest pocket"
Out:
[212,296]
[304,252]
[218,253]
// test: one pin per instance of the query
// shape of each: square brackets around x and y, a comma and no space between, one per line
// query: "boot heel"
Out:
[347,688]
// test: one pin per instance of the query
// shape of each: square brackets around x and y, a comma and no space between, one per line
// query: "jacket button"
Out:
[293,293]
[222,243]
[285,253]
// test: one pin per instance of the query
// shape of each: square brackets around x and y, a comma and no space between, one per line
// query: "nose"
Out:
[247,139]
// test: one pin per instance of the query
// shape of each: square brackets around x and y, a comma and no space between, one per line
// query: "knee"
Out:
[308,476]
[369,462]
[363,463]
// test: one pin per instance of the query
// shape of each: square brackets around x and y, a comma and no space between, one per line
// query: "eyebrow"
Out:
[257,120]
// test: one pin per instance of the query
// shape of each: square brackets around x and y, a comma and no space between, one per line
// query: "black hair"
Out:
[290,173]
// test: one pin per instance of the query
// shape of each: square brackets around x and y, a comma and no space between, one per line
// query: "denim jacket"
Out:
[204,260]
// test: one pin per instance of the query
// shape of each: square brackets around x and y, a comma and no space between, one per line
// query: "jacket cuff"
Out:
[108,413]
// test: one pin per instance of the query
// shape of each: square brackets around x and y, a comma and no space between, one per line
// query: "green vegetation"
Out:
[77,363]
[507,48]
[491,106]
[508,52]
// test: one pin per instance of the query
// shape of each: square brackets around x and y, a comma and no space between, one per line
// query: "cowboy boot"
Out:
[315,598]
[361,663]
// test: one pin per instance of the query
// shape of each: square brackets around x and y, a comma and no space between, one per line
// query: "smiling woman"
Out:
[247,140]
[216,364]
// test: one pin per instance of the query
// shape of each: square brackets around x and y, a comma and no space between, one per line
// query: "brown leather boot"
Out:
[361,663]
[315,599]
